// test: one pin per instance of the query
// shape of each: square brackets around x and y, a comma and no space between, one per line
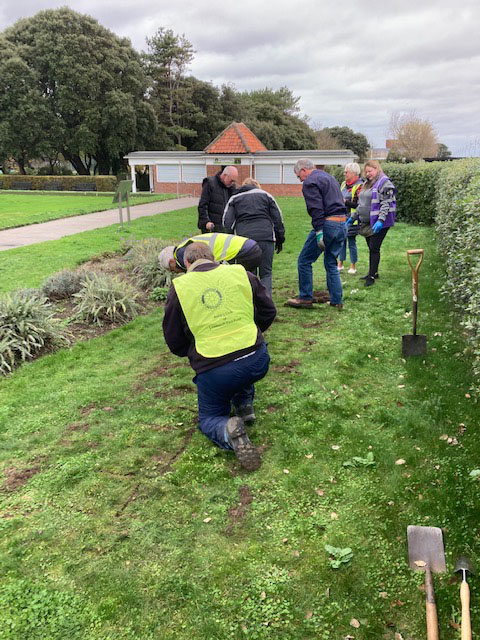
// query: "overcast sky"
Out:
[352,64]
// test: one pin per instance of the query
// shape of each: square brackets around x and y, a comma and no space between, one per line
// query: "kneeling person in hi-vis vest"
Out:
[225,247]
[215,315]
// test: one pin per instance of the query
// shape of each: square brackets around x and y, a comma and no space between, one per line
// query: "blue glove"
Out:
[378,226]
[320,243]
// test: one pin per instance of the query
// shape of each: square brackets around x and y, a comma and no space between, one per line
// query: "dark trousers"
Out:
[230,383]
[374,243]
[266,265]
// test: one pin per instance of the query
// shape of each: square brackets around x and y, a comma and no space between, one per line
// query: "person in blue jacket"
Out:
[325,206]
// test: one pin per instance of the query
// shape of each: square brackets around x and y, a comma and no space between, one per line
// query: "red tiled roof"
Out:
[236,138]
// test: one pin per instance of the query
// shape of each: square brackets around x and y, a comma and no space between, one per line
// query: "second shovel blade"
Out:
[414,345]
[425,546]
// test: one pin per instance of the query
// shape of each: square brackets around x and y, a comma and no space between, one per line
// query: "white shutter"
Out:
[289,176]
[267,173]
[193,172]
[168,172]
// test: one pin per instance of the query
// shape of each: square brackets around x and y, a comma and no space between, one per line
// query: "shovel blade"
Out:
[425,545]
[414,345]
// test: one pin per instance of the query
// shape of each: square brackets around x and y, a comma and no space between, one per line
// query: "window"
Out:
[289,176]
[168,172]
[267,173]
[193,172]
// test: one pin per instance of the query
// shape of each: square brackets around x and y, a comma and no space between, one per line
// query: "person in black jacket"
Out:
[254,213]
[216,191]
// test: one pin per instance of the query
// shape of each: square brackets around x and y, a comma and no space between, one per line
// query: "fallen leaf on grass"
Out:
[335,447]
[296,553]
[461,428]
[444,436]
[383,594]
[286,471]
[285,540]
[263,595]
[309,455]
[398,636]
[468,396]
[207,520]
[354,623]
[334,516]
[308,615]
[400,461]
[319,492]
[454,624]
[397,603]
[108,408]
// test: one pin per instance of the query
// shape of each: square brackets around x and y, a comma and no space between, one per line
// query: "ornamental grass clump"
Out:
[64,284]
[104,298]
[27,328]
[143,261]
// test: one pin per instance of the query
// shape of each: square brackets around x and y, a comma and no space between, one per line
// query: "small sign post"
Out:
[123,189]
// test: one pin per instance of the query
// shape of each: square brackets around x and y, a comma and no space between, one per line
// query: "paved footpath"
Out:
[54,229]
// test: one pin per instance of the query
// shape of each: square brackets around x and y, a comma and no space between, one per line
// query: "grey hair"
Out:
[197,251]
[231,171]
[354,167]
[165,256]
[303,163]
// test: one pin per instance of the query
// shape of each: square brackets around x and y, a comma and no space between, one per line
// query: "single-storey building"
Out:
[182,172]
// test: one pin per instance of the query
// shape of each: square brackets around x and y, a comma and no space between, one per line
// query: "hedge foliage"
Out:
[60,183]
[458,237]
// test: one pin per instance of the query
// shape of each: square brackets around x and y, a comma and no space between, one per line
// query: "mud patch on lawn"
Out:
[78,426]
[237,514]
[291,367]
[17,478]
[86,411]
[312,325]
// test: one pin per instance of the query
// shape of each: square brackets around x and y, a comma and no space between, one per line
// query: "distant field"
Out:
[17,210]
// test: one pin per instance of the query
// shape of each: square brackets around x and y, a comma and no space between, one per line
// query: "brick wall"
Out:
[243,171]
[182,188]
[283,189]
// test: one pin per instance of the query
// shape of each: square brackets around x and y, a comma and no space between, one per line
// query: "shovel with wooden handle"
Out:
[426,553]
[463,565]
[414,345]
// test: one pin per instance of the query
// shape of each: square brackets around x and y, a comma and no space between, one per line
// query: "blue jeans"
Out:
[334,234]
[352,248]
[230,382]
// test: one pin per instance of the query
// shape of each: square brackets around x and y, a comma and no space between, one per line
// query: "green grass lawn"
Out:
[17,210]
[120,521]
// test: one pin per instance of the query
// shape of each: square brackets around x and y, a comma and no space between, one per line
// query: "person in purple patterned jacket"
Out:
[375,213]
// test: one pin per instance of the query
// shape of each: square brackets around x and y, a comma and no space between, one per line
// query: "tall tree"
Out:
[167,60]
[349,139]
[86,84]
[443,152]
[273,117]
[413,138]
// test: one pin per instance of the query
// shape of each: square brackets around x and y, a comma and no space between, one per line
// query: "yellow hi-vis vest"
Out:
[218,308]
[353,192]
[224,246]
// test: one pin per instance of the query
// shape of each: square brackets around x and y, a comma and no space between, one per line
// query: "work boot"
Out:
[369,281]
[237,437]
[376,276]
[299,303]
[246,412]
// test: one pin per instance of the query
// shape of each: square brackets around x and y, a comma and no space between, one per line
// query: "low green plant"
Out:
[105,298]
[159,294]
[143,261]
[27,327]
[338,556]
[64,284]
[360,462]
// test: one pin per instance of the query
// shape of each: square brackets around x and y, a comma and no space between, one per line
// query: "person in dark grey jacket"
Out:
[254,213]
[216,191]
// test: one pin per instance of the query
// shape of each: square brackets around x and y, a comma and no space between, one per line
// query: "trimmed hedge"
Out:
[458,237]
[62,183]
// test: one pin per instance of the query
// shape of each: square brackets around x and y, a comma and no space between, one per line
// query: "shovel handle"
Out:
[415,268]
[465,600]
[431,607]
